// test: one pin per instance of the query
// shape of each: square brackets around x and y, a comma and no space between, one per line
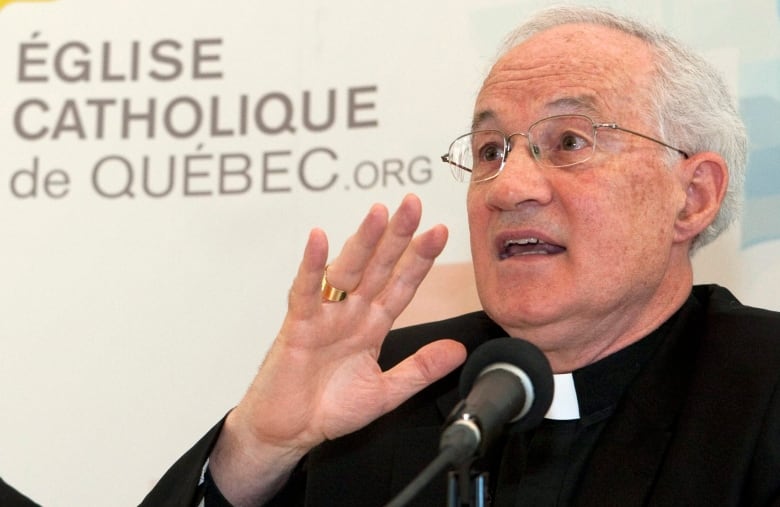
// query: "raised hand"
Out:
[320,379]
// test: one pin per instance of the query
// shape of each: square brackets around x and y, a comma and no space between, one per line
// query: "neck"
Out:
[588,340]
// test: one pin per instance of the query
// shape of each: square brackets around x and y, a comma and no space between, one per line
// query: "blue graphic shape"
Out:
[761,219]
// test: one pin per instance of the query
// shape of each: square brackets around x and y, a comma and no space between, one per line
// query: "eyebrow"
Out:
[580,104]
[481,118]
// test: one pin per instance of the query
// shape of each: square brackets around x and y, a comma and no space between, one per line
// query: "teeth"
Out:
[524,241]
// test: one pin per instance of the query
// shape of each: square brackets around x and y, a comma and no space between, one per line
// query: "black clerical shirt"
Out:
[542,467]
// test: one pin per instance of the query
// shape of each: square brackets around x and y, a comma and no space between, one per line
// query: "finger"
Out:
[394,242]
[305,293]
[411,269]
[424,367]
[347,269]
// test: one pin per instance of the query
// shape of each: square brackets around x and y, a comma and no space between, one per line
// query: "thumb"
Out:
[430,363]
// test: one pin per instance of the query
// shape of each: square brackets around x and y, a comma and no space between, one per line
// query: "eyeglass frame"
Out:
[508,145]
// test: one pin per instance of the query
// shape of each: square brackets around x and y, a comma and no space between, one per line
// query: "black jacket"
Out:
[699,425]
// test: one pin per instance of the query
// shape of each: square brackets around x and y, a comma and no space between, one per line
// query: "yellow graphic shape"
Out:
[3,3]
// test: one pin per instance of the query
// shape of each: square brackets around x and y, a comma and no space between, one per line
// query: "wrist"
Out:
[246,469]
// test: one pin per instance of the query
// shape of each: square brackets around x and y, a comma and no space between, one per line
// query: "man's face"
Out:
[609,270]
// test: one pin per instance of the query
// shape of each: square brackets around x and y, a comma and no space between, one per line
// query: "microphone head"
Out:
[522,355]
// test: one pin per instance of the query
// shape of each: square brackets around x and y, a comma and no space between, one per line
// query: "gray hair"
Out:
[692,104]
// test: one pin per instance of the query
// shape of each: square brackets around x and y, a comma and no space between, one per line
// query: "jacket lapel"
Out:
[625,462]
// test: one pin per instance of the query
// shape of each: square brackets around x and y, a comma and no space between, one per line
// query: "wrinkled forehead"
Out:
[579,68]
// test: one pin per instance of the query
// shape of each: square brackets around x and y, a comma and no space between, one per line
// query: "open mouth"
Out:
[528,246]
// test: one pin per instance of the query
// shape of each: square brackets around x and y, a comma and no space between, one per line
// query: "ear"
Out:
[704,177]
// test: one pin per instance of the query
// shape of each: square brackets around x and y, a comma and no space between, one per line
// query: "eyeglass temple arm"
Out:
[615,126]
[446,159]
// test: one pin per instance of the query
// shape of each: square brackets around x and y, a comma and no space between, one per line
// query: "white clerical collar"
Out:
[564,405]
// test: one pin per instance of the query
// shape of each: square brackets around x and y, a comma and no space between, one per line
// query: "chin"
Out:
[524,318]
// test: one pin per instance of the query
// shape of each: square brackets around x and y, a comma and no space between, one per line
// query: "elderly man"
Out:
[601,155]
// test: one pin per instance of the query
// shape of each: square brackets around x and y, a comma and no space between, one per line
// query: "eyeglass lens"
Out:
[558,141]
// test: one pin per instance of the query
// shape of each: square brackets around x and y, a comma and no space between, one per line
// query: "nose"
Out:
[522,181]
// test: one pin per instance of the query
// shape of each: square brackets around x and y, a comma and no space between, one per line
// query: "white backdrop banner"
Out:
[163,162]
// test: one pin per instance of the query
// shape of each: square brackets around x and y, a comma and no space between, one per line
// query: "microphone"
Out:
[504,380]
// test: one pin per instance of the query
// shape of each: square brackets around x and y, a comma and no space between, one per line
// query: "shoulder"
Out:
[727,319]
[9,497]
[738,338]
[720,301]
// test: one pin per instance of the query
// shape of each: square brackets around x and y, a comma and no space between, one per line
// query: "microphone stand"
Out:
[457,450]
[467,487]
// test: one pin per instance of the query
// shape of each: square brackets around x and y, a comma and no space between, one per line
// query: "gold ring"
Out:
[329,292]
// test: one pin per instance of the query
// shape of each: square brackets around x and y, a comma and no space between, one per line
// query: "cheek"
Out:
[479,233]
[644,215]
[654,201]
[624,216]
[476,212]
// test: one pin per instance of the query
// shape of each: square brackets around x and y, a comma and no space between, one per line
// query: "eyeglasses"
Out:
[557,141]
